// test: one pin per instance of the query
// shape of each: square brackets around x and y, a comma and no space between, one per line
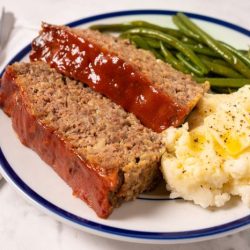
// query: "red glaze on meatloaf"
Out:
[102,152]
[85,56]
[88,184]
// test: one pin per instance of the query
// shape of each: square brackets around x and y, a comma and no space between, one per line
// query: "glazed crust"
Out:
[158,95]
[77,172]
[104,162]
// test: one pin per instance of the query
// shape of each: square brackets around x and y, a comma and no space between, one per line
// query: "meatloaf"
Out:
[158,95]
[104,153]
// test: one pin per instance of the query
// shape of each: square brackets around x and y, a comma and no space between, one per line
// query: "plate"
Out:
[151,218]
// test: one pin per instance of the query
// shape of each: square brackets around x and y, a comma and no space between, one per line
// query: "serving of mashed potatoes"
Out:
[208,158]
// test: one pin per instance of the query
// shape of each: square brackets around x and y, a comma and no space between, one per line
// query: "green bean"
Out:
[115,27]
[189,65]
[157,54]
[172,60]
[248,53]
[199,48]
[184,29]
[243,51]
[237,53]
[139,42]
[124,35]
[216,60]
[221,62]
[153,43]
[216,46]
[225,90]
[220,69]
[192,35]
[224,82]
[188,40]
[144,24]
[172,41]
[120,27]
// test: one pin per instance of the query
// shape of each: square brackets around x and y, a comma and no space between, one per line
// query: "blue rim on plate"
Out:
[157,236]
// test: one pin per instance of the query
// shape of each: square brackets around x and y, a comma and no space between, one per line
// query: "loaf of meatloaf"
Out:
[158,95]
[104,153]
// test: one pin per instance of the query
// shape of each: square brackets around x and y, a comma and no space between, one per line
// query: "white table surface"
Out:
[23,226]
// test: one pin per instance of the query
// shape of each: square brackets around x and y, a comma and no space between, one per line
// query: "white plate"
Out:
[149,219]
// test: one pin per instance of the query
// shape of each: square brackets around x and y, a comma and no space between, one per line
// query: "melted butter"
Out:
[233,145]
[197,141]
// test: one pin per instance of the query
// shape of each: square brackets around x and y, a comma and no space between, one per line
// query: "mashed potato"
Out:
[208,158]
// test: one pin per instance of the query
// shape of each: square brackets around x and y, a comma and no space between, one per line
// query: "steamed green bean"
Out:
[216,46]
[172,41]
[172,60]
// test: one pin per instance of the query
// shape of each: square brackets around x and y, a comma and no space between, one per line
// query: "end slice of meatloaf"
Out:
[104,153]
[152,90]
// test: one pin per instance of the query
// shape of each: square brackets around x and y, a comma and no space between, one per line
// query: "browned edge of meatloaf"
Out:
[136,176]
[56,152]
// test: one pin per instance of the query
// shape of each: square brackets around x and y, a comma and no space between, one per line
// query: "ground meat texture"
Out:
[104,153]
[156,93]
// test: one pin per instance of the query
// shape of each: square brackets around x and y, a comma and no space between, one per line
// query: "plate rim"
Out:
[110,231]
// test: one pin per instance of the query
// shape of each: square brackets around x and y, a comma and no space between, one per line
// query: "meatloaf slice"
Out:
[156,93]
[104,153]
